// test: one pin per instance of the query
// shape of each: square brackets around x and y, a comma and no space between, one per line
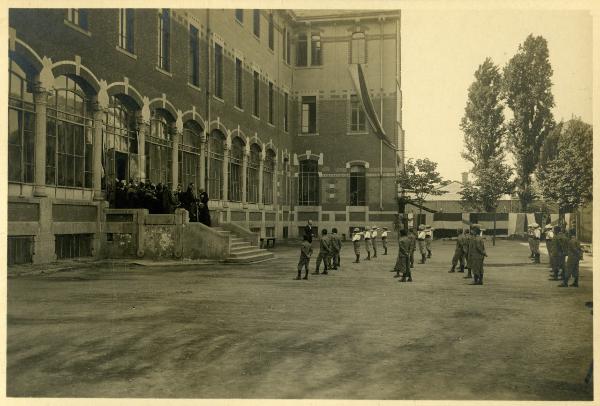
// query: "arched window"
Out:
[358,185]
[214,172]
[69,134]
[21,126]
[189,153]
[120,141]
[359,48]
[268,174]
[308,183]
[252,174]
[236,155]
[158,148]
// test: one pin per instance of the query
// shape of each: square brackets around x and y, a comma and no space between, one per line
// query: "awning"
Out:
[362,90]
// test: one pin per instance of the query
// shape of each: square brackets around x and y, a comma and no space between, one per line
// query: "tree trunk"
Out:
[494,232]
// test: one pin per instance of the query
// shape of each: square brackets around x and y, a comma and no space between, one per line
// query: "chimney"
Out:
[465,177]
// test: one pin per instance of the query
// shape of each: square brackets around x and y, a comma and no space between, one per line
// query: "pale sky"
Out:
[441,51]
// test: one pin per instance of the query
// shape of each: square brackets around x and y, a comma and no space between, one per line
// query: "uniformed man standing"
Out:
[356,244]
[575,254]
[530,240]
[466,242]
[336,245]
[305,254]
[428,239]
[421,242]
[476,255]
[536,236]
[374,240]
[412,237]
[548,236]
[324,252]
[402,261]
[384,235]
[458,252]
[562,242]
[368,242]
[556,253]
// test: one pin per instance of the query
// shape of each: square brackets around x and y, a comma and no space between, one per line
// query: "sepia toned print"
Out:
[289,204]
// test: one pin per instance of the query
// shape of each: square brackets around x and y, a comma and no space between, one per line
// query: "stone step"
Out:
[251,258]
[240,252]
[238,244]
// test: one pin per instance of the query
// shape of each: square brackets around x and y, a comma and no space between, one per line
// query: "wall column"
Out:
[143,130]
[261,168]
[99,117]
[175,159]
[225,183]
[202,163]
[40,97]
[245,178]
[275,178]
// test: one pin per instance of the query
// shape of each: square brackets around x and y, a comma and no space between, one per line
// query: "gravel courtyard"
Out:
[230,331]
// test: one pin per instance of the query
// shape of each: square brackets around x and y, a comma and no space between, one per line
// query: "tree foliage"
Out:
[526,88]
[491,183]
[566,177]
[421,178]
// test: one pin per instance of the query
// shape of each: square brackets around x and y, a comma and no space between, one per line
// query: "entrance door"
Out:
[121,165]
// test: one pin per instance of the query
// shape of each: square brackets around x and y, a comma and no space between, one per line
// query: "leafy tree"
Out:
[566,178]
[526,87]
[484,130]
[421,179]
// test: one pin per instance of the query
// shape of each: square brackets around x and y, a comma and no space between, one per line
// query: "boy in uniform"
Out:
[402,261]
[305,254]
[384,235]
[536,236]
[413,246]
[421,241]
[374,240]
[356,243]
[458,252]
[428,239]
[549,235]
[324,252]
[368,243]
[575,253]
[336,245]
[476,255]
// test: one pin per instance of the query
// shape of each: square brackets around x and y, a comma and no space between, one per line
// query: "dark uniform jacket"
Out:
[325,244]
[308,232]
[305,250]
[574,252]
[476,253]
[336,243]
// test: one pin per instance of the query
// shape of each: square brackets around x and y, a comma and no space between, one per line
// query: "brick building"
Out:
[281,115]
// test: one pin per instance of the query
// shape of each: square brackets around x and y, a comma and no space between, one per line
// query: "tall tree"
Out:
[484,130]
[566,178]
[421,179]
[527,91]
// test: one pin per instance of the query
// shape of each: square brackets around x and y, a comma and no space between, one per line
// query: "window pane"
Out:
[301,57]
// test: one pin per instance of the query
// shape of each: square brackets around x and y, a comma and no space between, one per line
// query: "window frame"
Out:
[356,109]
[357,184]
[256,94]
[256,23]
[358,42]
[271,32]
[239,83]
[239,15]
[193,55]
[306,130]
[164,40]
[271,96]
[218,74]
[302,54]
[309,183]
[316,50]
[127,30]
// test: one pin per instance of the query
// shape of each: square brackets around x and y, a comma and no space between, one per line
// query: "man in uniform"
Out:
[356,244]
[428,239]
[336,245]
[556,253]
[466,242]
[530,240]
[476,255]
[412,237]
[536,236]
[548,236]
[402,261]
[324,252]
[384,235]
[368,242]
[562,242]
[305,254]
[421,242]
[308,231]
[458,252]
[374,240]
[575,254]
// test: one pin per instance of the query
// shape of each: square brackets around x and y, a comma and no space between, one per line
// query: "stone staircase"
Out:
[242,252]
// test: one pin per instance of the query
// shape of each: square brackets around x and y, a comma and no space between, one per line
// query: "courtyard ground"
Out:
[230,331]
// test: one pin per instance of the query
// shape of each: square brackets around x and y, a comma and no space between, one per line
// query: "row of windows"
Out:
[239,16]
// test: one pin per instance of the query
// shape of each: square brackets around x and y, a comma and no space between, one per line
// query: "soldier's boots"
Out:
[357,259]
[422,259]
[462,268]
[575,283]
[305,274]
[452,269]
[481,278]
[316,272]
[368,255]
[298,277]
[468,274]
[537,259]
[385,251]
[397,274]
[428,253]
[409,276]
[412,262]
[403,278]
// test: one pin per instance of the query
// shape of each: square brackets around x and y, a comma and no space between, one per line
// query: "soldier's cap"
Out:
[374,228]
[421,227]
[476,226]
[530,226]
[356,229]
[534,225]
[548,227]
[428,226]
[385,228]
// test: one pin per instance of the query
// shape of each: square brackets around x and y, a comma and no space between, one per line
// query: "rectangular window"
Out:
[284,44]
[309,115]
[164,39]
[301,51]
[256,25]
[194,59]
[358,51]
[239,15]
[270,102]
[239,90]
[285,111]
[126,29]
[315,50]
[256,110]
[288,55]
[357,115]
[271,32]
[218,71]
[78,16]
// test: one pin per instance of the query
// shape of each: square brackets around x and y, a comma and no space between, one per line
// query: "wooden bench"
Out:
[269,240]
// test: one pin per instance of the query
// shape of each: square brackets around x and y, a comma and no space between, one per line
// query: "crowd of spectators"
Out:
[159,199]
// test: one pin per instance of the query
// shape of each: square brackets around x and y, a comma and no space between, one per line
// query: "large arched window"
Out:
[268,174]
[252,174]
[189,153]
[21,126]
[158,148]
[308,183]
[214,172]
[69,135]
[120,140]
[358,185]
[236,155]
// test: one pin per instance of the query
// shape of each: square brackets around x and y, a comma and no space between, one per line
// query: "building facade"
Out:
[281,116]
